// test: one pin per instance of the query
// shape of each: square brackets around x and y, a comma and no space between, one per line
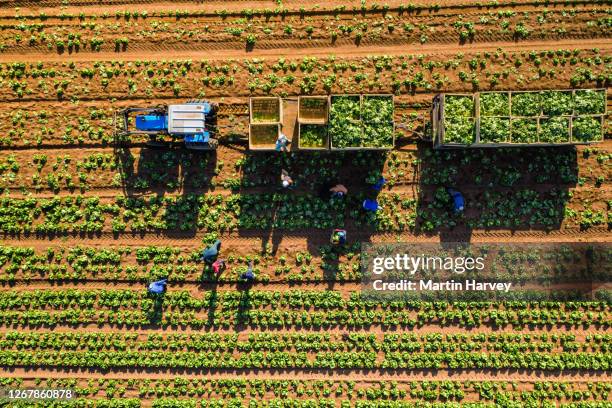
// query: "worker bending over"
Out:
[286,180]
[249,275]
[210,254]
[338,237]
[218,267]
[338,191]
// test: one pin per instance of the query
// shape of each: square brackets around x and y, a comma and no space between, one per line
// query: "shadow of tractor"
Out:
[162,187]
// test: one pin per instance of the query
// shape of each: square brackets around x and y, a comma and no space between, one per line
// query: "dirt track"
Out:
[356,375]
[277,50]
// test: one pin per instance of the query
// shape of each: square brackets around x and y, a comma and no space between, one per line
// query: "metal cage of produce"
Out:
[521,118]
[364,126]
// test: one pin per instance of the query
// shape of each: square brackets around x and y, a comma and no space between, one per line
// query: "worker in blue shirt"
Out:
[282,142]
[371,205]
[379,184]
[158,287]
[210,254]
[458,200]
[249,275]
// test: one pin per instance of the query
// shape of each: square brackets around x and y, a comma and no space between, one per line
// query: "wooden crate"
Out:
[313,109]
[324,146]
[265,110]
[263,136]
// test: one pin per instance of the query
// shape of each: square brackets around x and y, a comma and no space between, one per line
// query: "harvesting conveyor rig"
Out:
[194,122]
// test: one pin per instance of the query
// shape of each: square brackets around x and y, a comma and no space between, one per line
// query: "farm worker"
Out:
[338,191]
[158,287]
[379,184]
[218,267]
[338,237]
[282,142]
[249,275]
[371,205]
[458,200]
[209,255]
[285,179]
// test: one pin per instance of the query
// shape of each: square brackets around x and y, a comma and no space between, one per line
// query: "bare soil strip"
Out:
[292,49]
[580,334]
[7,7]
[341,375]
[293,238]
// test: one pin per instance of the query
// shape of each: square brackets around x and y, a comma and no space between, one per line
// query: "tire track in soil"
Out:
[309,237]
[593,234]
[211,17]
[292,49]
[444,35]
[581,333]
[344,287]
[403,375]
[76,6]
[147,47]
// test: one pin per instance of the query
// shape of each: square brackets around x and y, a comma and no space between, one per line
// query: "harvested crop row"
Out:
[142,30]
[378,74]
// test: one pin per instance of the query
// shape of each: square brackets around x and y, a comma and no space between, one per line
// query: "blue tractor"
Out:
[193,121]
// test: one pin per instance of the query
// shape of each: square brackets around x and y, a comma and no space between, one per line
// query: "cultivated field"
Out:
[87,219]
